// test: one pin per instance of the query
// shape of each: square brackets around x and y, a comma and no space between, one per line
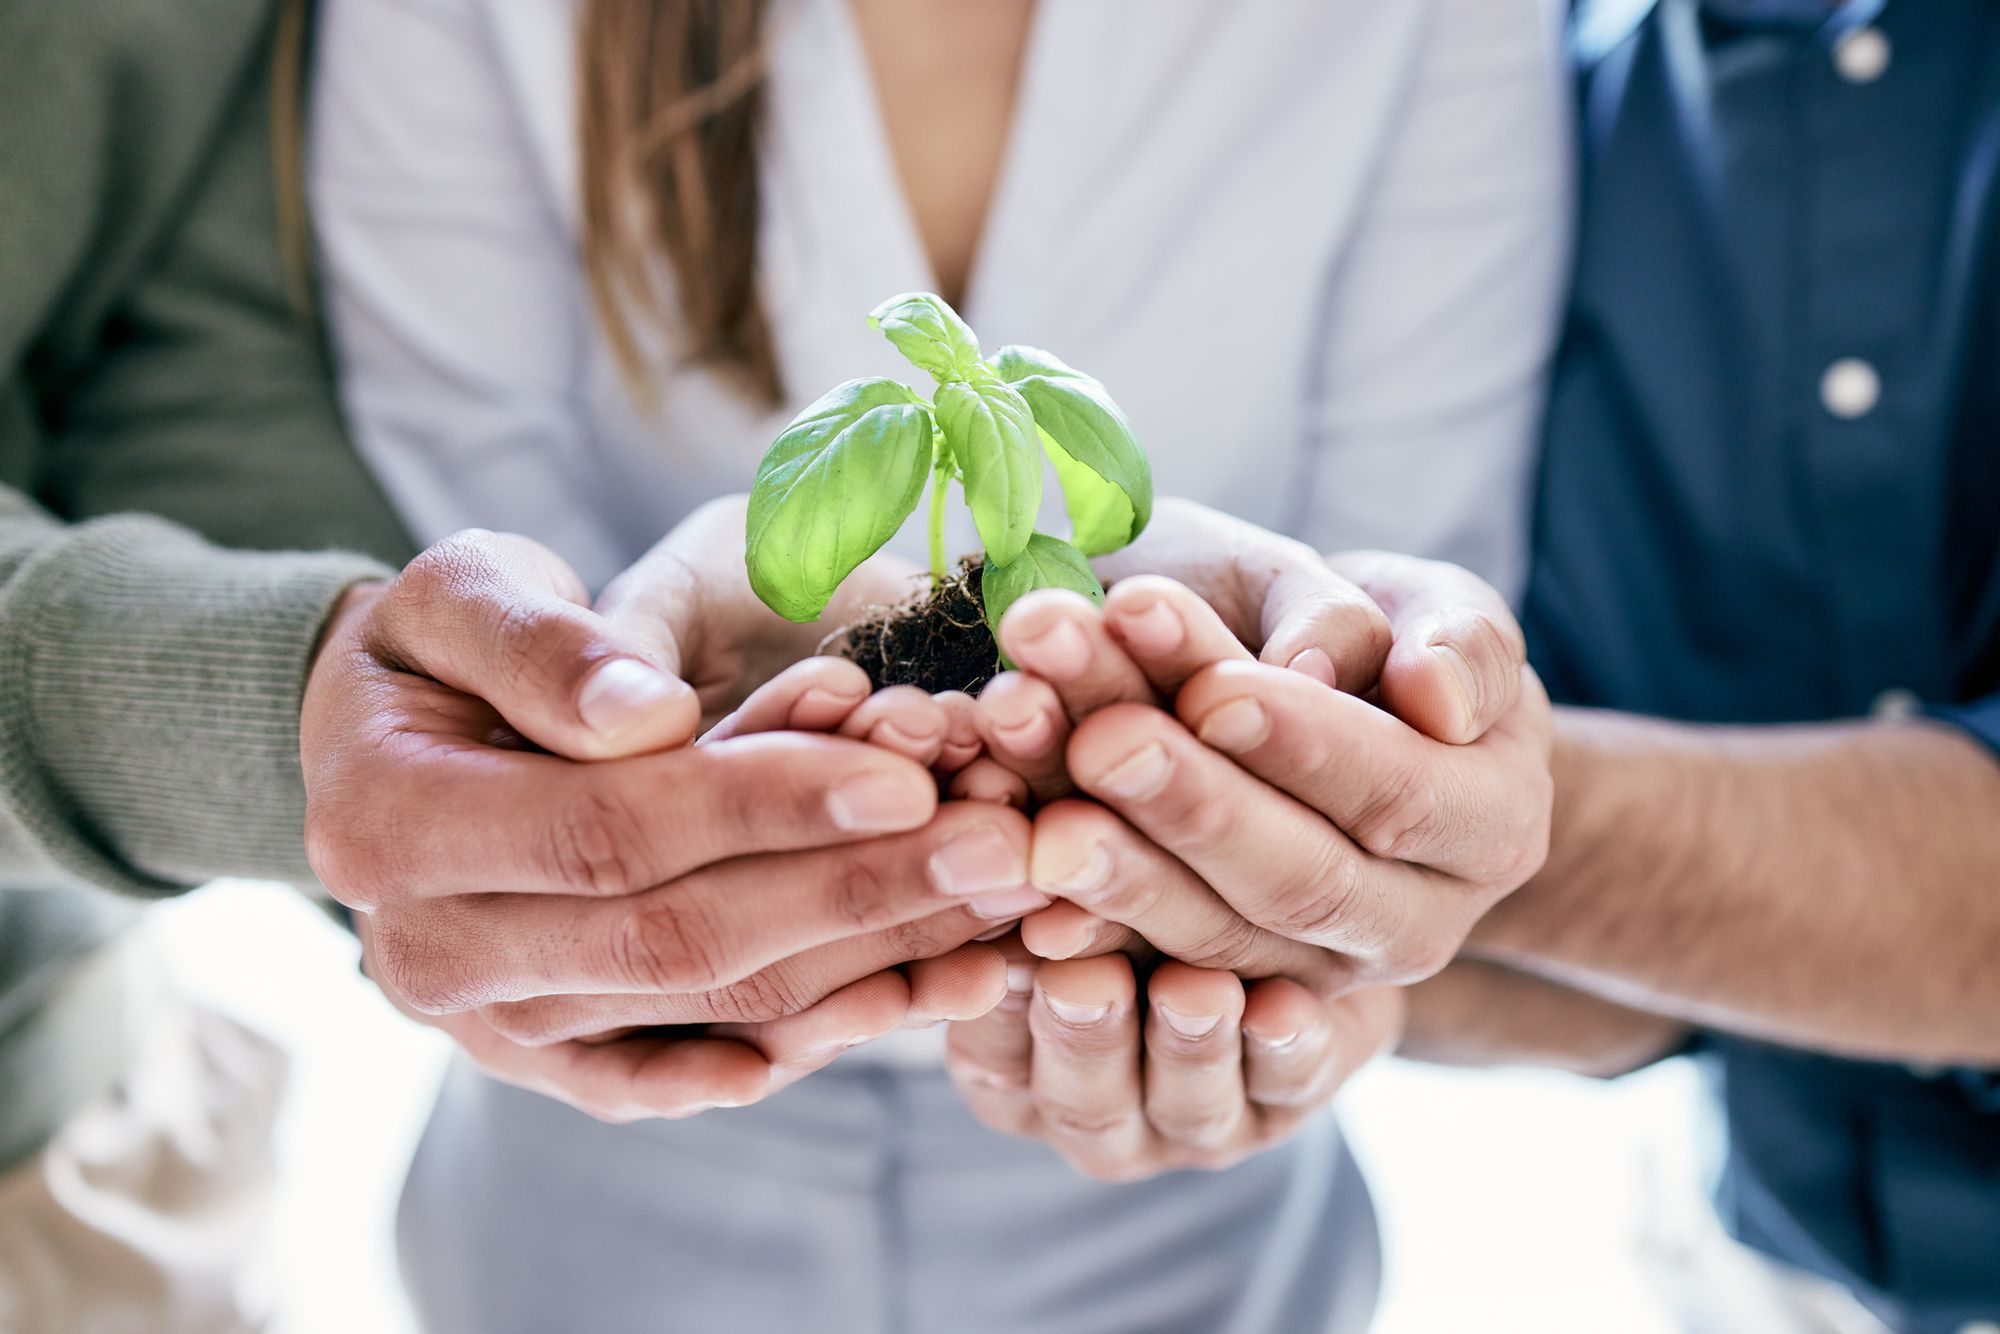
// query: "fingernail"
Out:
[1157,628]
[1140,774]
[978,862]
[619,692]
[1315,663]
[1020,978]
[1011,904]
[900,733]
[1462,678]
[1237,726]
[875,804]
[1060,651]
[1187,1025]
[1278,1043]
[995,933]
[820,699]
[1029,737]
[1079,1015]
[1089,874]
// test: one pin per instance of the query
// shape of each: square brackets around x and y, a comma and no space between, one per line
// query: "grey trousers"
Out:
[864,1200]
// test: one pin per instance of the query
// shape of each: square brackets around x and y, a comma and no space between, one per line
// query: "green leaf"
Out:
[1107,484]
[929,333]
[1046,562]
[991,434]
[832,489]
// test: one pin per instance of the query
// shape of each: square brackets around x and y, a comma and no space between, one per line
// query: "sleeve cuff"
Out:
[155,682]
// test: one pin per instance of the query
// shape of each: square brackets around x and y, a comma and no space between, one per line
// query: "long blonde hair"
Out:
[670,107]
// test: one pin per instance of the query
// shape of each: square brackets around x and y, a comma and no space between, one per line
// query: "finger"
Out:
[989,1058]
[1275,861]
[706,930]
[961,743]
[790,986]
[621,1081]
[1455,668]
[1022,722]
[1066,930]
[798,1044]
[1275,593]
[1085,1064]
[1299,1049]
[1060,636]
[419,819]
[1088,855]
[963,984]
[1167,631]
[1478,812]
[985,779]
[501,618]
[816,695]
[1195,1097]
[1315,622]
[902,719]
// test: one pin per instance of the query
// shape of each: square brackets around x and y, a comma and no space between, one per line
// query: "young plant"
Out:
[846,474]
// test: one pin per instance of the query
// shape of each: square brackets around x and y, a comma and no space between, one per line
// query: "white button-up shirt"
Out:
[1314,249]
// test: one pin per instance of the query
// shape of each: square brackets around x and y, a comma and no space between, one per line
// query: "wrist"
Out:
[1591,765]
[346,617]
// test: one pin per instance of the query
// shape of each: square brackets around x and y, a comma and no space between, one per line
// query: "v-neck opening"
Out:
[1013,150]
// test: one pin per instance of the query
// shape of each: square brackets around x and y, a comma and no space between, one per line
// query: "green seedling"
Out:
[848,472]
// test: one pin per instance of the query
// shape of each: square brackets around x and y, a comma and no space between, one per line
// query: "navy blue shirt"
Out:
[1771,492]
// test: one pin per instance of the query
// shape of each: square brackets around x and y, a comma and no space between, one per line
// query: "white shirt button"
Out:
[1894,705]
[1863,57]
[1849,390]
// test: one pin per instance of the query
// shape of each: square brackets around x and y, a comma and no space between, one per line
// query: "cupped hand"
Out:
[444,726]
[1380,828]
[1206,1071]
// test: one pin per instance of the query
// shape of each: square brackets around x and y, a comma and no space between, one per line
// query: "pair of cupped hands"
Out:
[1164,881]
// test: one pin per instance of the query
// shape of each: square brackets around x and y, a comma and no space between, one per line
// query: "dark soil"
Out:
[938,640]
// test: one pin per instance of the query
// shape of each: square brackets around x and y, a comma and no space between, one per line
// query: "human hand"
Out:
[748,879]
[1309,812]
[1213,1069]
[689,603]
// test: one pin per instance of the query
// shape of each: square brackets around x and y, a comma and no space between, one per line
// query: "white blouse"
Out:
[1313,247]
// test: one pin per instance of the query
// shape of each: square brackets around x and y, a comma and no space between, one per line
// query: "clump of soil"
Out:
[937,640]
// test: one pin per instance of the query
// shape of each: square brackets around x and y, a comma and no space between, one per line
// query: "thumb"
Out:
[1455,667]
[502,618]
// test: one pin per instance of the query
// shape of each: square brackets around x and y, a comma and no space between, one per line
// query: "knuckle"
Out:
[856,892]
[1395,811]
[430,980]
[1201,828]
[591,845]
[531,1023]
[756,999]
[340,855]
[1074,1120]
[1320,912]
[667,943]
[1201,1128]
[1496,654]
[1422,956]
[529,645]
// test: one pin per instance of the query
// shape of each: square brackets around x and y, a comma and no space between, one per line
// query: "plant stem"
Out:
[940,483]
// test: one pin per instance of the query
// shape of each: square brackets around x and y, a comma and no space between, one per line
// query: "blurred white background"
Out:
[1510,1200]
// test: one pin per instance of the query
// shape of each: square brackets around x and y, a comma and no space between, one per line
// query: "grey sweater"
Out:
[178,506]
